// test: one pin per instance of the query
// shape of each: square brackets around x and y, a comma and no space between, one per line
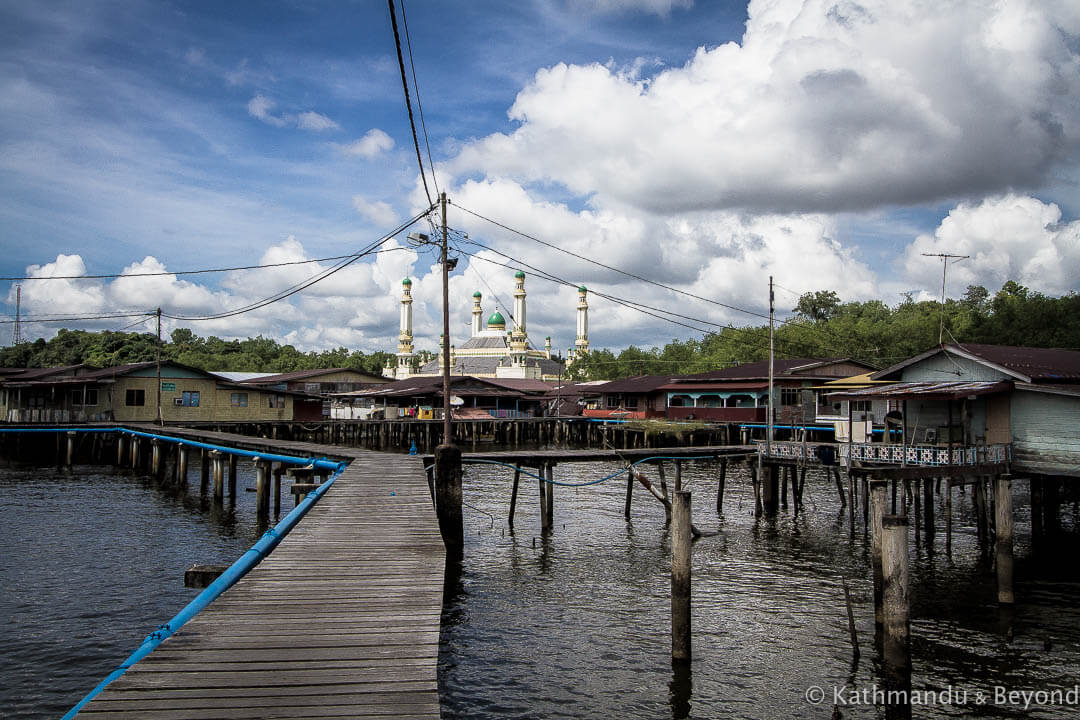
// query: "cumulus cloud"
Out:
[823,106]
[372,144]
[377,211]
[1009,237]
[260,107]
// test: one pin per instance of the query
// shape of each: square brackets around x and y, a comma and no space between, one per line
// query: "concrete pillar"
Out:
[121,448]
[218,463]
[204,470]
[1003,544]
[181,465]
[70,448]
[155,457]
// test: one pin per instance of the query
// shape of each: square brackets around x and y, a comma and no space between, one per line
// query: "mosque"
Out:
[492,351]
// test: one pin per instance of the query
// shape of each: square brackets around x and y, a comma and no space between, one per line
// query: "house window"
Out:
[860,406]
[790,396]
[91,397]
[189,398]
[238,399]
[135,397]
[277,401]
[631,402]
[312,388]
[613,401]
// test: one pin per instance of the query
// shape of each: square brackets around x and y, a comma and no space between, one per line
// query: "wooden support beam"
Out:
[1003,542]
[681,544]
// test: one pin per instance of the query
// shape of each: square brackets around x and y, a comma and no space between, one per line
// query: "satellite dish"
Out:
[456,401]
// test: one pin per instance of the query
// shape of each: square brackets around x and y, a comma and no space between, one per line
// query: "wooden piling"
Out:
[262,489]
[720,485]
[878,488]
[513,496]
[770,499]
[1003,543]
[70,457]
[756,482]
[928,512]
[680,577]
[549,491]
[629,491]
[1036,486]
[204,470]
[896,624]
[979,497]
[218,463]
[948,515]
[135,443]
[155,458]
[278,472]
[664,490]
[121,448]
[839,487]
[232,476]
[448,497]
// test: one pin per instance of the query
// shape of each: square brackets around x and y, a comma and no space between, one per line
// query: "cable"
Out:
[408,103]
[419,107]
[292,290]
[608,267]
[80,317]
[185,272]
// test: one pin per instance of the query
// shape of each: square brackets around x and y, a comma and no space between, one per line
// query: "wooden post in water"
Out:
[851,500]
[720,486]
[219,476]
[896,599]
[543,499]
[839,486]
[770,490]
[948,515]
[278,472]
[262,489]
[70,448]
[135,442]
[1003,544]
[678,474]
[549,490]
[756,482]
[979,497]
[928,512]
[783,473]
[121,447]
[448,497]
[204,470]
[232,477]
[663,490]
[181,465]
[681,544]
[629,491]
[878,488]
[513,496]
[1036,485]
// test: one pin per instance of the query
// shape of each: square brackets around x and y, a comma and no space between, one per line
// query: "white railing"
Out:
[889,454]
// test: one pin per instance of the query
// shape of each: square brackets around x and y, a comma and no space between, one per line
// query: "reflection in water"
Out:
[577,625]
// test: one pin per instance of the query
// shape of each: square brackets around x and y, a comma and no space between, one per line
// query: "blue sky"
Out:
[702,145]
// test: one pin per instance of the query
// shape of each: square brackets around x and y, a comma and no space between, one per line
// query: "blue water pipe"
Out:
[237,570]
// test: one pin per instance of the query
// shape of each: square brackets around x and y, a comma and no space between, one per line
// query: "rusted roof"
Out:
[304,375]
[760,369]
[638,384]
[715,386]
[1027,364]
[950,389]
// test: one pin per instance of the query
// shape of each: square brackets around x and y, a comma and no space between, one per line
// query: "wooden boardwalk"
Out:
[341,620]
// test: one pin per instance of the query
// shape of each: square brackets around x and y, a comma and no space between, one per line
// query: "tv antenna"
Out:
[944,268]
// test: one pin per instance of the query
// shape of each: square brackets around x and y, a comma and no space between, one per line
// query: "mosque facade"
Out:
[494,349]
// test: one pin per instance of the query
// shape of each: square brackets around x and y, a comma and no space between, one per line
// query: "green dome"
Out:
[581,288]
[477,294]
[496,319]
[406,281]
[519,275]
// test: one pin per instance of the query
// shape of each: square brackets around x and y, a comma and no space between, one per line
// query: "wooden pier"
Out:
[340,620]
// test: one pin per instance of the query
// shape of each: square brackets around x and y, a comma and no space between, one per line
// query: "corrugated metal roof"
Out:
[949,389]
[1025,363]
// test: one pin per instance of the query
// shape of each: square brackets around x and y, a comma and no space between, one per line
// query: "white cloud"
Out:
[260,107]
[377,211]
[1009,237]
[316,122]
[662,8]
[823,106]
[374,143]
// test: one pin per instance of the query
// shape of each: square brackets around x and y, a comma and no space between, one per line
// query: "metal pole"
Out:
[769,434]
[157,356]
[447,436]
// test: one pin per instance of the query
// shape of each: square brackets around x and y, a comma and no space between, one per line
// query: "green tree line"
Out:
[823,327]
[109,348]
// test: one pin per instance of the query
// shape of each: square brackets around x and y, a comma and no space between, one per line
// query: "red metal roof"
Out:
[949,389]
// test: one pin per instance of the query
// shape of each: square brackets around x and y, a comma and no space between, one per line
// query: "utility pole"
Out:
[944,267]
[157,355]
[772,303]
[448,499]
[16,335]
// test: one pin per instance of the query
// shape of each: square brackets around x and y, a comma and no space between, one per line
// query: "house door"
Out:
[998,430]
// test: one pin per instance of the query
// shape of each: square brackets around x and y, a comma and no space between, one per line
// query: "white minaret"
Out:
[547,347]
[405,336]
[477,314]
[582,342]
[518,338]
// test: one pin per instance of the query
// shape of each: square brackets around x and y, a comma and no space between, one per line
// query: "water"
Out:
[577,624]
[572,625]
[93,562]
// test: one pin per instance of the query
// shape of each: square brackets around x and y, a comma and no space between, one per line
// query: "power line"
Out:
[609,267]
[419,106]
[408,103]
[204,271]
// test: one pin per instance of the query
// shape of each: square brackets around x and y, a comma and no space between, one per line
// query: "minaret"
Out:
[477,314]
[405,338]
[582,342]
[547,347]
[518,338]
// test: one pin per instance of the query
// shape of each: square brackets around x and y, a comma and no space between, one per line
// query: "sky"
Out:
[673,154]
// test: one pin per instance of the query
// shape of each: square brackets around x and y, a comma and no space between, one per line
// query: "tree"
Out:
[817,306]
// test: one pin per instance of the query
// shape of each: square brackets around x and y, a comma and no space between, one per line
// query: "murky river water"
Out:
[571,625]
[577,624]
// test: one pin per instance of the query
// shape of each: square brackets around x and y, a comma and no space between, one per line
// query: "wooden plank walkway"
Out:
[559,455]
[341,620]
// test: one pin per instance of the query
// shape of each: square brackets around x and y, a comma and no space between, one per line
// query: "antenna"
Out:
[944,267]
[16,334]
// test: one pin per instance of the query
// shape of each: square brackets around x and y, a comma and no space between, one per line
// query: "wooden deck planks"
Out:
[341,620]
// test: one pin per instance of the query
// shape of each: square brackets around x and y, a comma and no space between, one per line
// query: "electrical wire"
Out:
[419,106]
[408,103]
